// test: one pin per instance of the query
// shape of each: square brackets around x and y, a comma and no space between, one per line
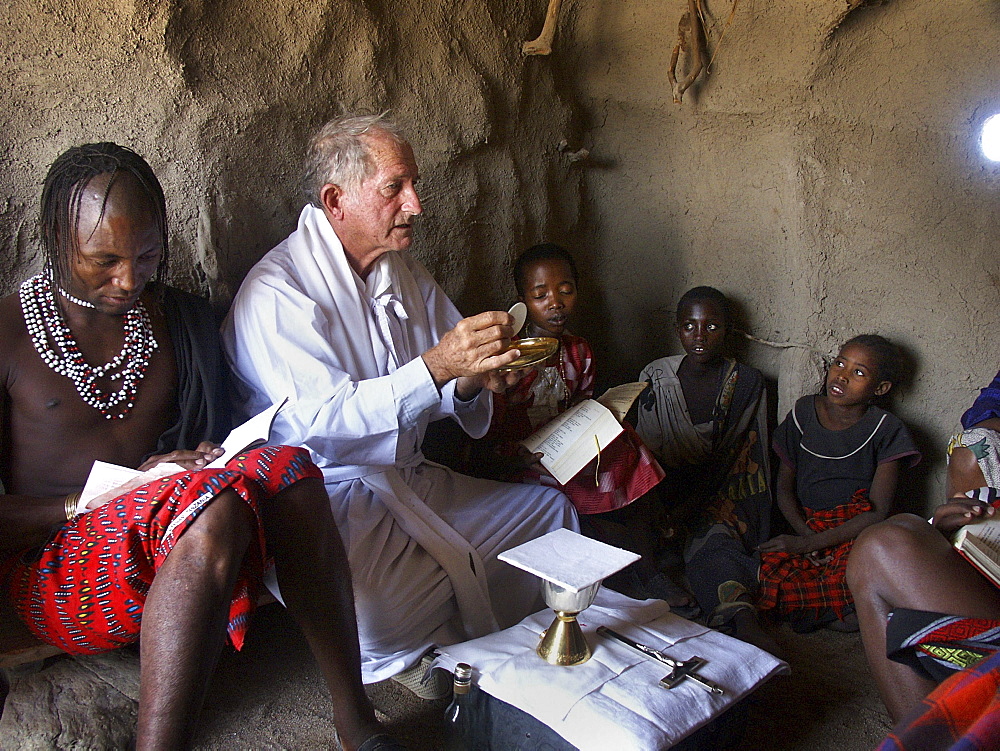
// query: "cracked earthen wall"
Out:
[221,96]
[825,174]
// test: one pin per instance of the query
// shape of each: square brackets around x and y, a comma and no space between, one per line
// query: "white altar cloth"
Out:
[615,700]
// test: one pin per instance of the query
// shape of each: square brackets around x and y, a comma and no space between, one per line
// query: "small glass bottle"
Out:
[458,715]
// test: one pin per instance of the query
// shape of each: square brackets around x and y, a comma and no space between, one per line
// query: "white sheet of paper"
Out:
[568,442]
[107,481]
[568,559]
[254,431]
[621,398]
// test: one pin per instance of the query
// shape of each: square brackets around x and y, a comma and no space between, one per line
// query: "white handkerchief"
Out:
[569,559]
[615,700]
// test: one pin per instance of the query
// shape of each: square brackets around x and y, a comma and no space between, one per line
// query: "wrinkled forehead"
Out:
[389,157]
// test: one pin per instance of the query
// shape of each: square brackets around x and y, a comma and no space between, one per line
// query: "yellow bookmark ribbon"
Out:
[597,467]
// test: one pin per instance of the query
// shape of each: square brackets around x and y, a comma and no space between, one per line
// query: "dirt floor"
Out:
[271,696]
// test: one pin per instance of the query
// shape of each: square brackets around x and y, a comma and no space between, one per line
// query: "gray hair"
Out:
[339,152]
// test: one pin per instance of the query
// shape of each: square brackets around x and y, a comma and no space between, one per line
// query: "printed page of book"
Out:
[621,398]
[571,440]
[253,432]
[107,481]
[980,544]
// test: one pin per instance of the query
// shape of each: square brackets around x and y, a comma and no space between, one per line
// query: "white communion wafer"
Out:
[519,312]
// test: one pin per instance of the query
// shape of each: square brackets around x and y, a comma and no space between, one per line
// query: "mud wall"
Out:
[221,96]
[825,173]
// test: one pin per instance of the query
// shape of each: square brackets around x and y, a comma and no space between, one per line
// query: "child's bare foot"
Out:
[660,587]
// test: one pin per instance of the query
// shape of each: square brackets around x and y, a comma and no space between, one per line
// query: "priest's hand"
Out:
[497,382]
[472,352]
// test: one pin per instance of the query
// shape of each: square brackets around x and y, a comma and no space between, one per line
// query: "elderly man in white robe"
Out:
[369,349]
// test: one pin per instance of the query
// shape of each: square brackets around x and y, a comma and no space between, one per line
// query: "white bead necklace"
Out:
[77,300]
[45,324]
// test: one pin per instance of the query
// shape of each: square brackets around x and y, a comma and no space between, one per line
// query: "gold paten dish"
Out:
[534,349]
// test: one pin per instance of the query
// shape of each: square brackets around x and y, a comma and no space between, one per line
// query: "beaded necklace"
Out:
[45,324]
[77,300]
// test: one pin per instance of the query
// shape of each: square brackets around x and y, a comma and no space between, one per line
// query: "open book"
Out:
[576,437]
[979,543]
[109,481]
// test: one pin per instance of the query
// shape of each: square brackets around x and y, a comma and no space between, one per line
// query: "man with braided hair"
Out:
[181,556]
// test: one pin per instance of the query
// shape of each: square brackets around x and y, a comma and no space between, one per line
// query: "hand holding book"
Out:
[576,437]
[963,509]
[979,540]
[108,481]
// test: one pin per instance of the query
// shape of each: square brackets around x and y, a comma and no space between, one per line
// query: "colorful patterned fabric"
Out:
[938,645]
[84,590]
[962,714]
[792,583]
[986,406]
[985,446]
[627,469]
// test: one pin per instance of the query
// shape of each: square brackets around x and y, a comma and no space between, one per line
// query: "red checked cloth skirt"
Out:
[84,590]
[792,583]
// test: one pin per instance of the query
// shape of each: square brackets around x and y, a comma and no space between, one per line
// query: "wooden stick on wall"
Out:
[543,44]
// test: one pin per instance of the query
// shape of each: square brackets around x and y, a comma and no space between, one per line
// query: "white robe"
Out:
[422,540]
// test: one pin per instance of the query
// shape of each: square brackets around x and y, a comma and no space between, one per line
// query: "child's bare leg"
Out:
[905,562]
[315,583]
[964,472]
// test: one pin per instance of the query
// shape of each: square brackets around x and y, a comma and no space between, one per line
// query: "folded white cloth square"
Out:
[615,700]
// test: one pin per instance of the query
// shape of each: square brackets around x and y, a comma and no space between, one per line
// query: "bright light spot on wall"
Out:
[989,141]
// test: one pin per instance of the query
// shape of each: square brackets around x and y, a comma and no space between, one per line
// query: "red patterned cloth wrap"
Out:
[792,583]
[84,590]
[627,469]
[961,714]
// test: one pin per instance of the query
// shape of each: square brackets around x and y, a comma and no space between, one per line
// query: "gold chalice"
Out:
[571,568]
[563,642]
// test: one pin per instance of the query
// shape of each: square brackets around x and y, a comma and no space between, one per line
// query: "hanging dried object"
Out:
[543,44]
[690,41]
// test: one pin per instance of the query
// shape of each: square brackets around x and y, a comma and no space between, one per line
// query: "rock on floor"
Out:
[73,703]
